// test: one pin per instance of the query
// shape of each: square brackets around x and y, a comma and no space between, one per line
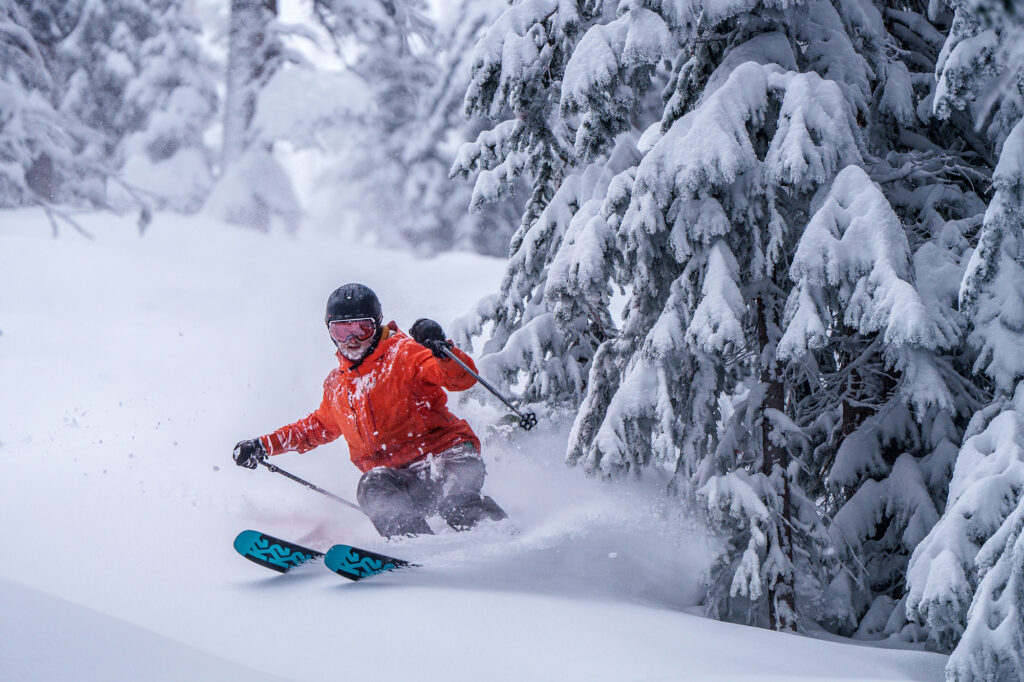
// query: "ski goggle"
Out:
[363,329]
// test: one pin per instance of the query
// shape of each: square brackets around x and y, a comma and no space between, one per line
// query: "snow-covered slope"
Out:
[131,366]
[48,638]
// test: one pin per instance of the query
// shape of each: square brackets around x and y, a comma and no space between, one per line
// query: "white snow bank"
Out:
[47,638]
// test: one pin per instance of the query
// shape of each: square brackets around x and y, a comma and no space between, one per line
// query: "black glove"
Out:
[429,334]
[248,453]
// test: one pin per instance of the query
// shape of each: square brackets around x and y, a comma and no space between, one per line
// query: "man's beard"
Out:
[353,355]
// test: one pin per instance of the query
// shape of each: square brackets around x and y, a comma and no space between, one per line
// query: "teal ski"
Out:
[273,553]
[356,564]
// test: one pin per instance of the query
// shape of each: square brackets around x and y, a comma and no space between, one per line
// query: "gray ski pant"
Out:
[448,483]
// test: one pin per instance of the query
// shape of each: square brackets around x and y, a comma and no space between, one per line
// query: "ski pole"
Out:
[527,421]
[278,470]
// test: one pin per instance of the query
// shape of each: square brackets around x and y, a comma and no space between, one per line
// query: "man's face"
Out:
[353,337]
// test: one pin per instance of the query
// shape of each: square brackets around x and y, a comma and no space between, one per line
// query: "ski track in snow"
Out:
[131,367]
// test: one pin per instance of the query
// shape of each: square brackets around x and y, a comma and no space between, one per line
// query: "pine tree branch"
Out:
[53,213]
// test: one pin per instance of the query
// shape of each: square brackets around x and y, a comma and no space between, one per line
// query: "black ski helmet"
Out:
[351,302]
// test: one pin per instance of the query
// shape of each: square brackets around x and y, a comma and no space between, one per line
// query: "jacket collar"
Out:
[388,335]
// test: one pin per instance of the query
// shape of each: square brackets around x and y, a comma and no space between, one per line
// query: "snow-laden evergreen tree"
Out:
[519,65]
[966,576]
[864,339]
[870,438]
[385,120]
[722,196]
[735,163]
[373,182]
[128,79]
[552,314]
[254,55]
[882,455]
[37,147]
[50,156]
[98,61]
[979,69]
[173,100]
[390,181]
[368,22]
[437,213]
[722,165]
[253,188]
[990,288]
[883,422]
[134,71]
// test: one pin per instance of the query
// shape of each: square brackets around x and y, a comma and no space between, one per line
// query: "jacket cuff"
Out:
[267,445]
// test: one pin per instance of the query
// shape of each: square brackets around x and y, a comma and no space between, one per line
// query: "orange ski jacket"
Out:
[391,408]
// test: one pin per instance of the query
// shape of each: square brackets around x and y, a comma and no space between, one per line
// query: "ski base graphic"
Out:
[273,553]
[355,563]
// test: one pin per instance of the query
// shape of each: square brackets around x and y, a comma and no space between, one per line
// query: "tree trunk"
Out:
[40,177]
[781,590]
[249,52]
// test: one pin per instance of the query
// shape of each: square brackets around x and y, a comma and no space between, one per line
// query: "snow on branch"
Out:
[605,75]
[992,291]
[964,577]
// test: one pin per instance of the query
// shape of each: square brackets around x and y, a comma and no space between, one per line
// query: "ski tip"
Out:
[245,540]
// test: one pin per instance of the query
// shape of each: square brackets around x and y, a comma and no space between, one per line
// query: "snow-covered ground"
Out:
[130,366]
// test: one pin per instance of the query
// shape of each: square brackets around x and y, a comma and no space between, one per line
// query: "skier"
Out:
[387,399]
